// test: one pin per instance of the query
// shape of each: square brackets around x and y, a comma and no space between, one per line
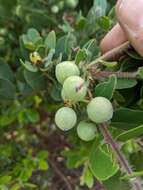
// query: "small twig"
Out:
[60,174]
[121,158]
[112,53]
[96,74]
[44,140]
[90,94]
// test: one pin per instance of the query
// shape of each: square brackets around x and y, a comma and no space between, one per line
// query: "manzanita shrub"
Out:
[67,110]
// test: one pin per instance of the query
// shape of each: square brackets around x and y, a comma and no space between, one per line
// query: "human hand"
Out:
[129,27]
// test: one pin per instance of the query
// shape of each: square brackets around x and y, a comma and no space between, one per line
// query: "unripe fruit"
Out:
[86,131]
[100,110]
[74,89]
[55,9]
[65,70]
[65,118]
[72,3]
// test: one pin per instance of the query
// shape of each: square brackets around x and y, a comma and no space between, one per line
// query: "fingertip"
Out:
[130,16]
[113,39]
[103,45]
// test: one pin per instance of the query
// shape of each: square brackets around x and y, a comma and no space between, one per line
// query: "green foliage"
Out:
[130,134]
[100,158]
[35,37]
[106,89]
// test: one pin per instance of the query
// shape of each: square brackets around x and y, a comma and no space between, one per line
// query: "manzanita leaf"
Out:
[104,22]
[97,11]
[125,118]
[33,35]
[27,43]
[5,71]
[30,67]
[115,182]
[80,56]
[50,41]
[32,115]
[32,39]
[106,89]
[102,165]
[125,83]
[35,80]
[92,48]
[134,55]
[130,134]
[49,58]
[7,90]
[87,177]
[65,44]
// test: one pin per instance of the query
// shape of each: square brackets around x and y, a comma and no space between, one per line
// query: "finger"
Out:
[113,39]
[130,16]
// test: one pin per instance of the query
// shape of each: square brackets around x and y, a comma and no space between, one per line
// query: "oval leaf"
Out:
[133,133]
[7,90]
[101,165]
[29,66]
[36,80]
[126,119]
[50,41]
[106,89]
[125,83]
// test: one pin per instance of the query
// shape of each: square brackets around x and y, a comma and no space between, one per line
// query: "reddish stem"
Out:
[104,74]
[121,158]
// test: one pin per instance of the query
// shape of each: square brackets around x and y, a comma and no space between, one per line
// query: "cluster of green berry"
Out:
[99,109]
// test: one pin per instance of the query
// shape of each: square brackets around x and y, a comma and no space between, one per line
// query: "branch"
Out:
[112,53]
[121,158]
[44,138]
[60,174]
[96,74]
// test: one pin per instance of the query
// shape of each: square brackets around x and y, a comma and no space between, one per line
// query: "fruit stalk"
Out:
[136,185]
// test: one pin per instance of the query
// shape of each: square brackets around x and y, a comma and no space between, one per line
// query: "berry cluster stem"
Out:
[136,185]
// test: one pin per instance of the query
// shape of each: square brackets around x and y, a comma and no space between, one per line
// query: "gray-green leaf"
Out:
[106,89]
[102,165]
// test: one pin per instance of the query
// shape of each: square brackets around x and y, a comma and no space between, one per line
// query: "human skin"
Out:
[129,27]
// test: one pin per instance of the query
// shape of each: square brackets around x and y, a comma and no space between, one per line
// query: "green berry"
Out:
[74,89]
[65,118]
[55,9]
[86,131]
[100,110]
[65,70]
[72,3]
